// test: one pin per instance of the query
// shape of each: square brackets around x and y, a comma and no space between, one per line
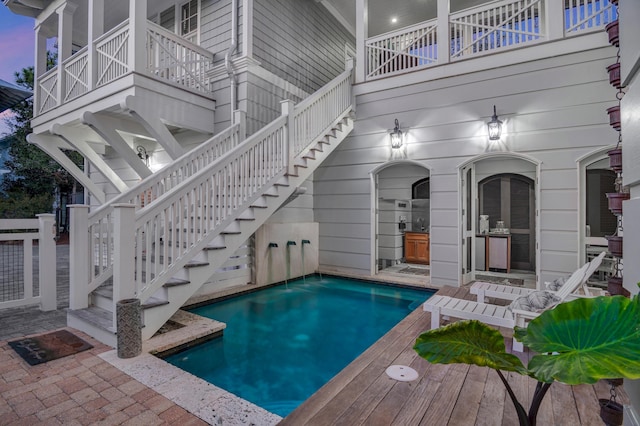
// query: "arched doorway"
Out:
[400,200]
[500,187]
[596,221]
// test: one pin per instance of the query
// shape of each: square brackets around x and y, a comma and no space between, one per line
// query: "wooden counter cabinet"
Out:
[416,247]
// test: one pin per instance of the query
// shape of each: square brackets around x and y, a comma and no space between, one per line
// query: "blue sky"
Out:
[16,48]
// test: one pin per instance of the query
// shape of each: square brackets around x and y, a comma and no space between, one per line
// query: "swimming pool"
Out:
[283,343]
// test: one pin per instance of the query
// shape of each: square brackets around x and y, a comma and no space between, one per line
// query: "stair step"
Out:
[311,155]
[175,282]
[152,302]
[98,317]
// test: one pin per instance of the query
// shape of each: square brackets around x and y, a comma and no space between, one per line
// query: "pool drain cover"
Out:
[402,373]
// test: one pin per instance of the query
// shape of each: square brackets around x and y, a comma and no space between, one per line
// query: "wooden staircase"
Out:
[174,244]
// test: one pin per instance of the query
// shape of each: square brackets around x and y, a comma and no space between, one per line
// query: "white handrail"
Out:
[184,220]
[192,214]
[145,192]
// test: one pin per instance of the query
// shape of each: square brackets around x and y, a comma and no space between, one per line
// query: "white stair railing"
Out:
[170,232]
[100,223]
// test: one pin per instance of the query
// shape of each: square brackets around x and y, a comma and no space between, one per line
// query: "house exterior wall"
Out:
[630,62]
[554,113]
[299,41]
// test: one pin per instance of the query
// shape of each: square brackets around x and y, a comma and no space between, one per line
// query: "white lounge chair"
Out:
[499,316]
[505,292]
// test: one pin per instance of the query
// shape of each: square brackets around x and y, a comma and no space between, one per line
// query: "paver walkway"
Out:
[80,389]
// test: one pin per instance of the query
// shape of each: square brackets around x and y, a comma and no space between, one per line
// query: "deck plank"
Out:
[466,409]
[454,394]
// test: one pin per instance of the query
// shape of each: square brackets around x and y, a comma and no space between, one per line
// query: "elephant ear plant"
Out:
[577,342]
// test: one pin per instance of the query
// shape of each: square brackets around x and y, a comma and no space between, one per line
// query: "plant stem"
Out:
[538,396]
[522,414]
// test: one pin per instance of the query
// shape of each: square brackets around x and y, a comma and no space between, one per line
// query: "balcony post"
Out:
[240,117]
[554,19]
[79,256]
[137,35]
[288,107]
[362,32]
[65,34]
[95,28]
[40,66]
[443,36]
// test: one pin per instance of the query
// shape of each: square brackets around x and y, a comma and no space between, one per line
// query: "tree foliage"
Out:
[33,176]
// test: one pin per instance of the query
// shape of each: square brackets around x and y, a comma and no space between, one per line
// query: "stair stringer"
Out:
[273,197]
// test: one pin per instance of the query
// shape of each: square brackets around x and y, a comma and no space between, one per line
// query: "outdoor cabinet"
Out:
[416,247]
[499,252]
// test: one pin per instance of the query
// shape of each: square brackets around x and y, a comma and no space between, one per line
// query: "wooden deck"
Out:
[455,394]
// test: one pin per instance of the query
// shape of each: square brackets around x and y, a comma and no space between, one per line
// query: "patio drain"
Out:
[402,373]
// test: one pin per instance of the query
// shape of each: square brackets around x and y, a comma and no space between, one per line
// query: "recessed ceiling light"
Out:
[394,20]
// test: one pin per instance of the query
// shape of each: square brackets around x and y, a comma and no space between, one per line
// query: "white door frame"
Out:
[493,155]
[373,179]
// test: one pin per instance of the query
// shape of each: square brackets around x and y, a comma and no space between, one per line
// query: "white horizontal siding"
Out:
[554,112]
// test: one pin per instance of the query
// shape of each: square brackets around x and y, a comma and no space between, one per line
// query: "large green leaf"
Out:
[585,340]
[468,342]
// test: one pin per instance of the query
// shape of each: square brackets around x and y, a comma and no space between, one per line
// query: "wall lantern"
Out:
[396,136]
[494,126]
[142,154]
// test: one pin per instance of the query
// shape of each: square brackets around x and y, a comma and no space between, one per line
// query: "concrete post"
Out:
[47,262]
[129,326]
[79,254]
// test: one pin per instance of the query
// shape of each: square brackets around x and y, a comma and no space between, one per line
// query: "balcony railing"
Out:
[168,57]
[491,27]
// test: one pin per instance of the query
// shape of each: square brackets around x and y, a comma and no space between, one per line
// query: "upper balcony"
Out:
[167,58]
[471,32]
[107,51]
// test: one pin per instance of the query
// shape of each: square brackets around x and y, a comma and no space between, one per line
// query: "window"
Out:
[189,20]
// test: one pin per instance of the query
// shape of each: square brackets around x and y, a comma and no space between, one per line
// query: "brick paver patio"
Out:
[80,389]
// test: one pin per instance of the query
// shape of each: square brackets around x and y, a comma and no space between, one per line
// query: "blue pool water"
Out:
[283,343]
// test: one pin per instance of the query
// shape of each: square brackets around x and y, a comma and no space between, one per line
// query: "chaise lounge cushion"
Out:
[556,284]
[536,301]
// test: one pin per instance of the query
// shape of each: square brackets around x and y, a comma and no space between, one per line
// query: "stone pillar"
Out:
[129,326]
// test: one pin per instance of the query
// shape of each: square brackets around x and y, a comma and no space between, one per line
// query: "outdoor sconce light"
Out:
[494,126]
[142,154]
[396,136]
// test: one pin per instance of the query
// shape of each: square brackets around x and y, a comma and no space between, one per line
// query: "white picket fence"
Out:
[28,270]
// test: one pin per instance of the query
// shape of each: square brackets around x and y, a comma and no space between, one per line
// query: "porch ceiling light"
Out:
[494,126]
[396,136]
[142,154]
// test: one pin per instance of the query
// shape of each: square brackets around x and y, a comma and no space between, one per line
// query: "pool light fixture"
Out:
[494,126]
[396,136]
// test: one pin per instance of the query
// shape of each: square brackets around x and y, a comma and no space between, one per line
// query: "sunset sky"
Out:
[16,49]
